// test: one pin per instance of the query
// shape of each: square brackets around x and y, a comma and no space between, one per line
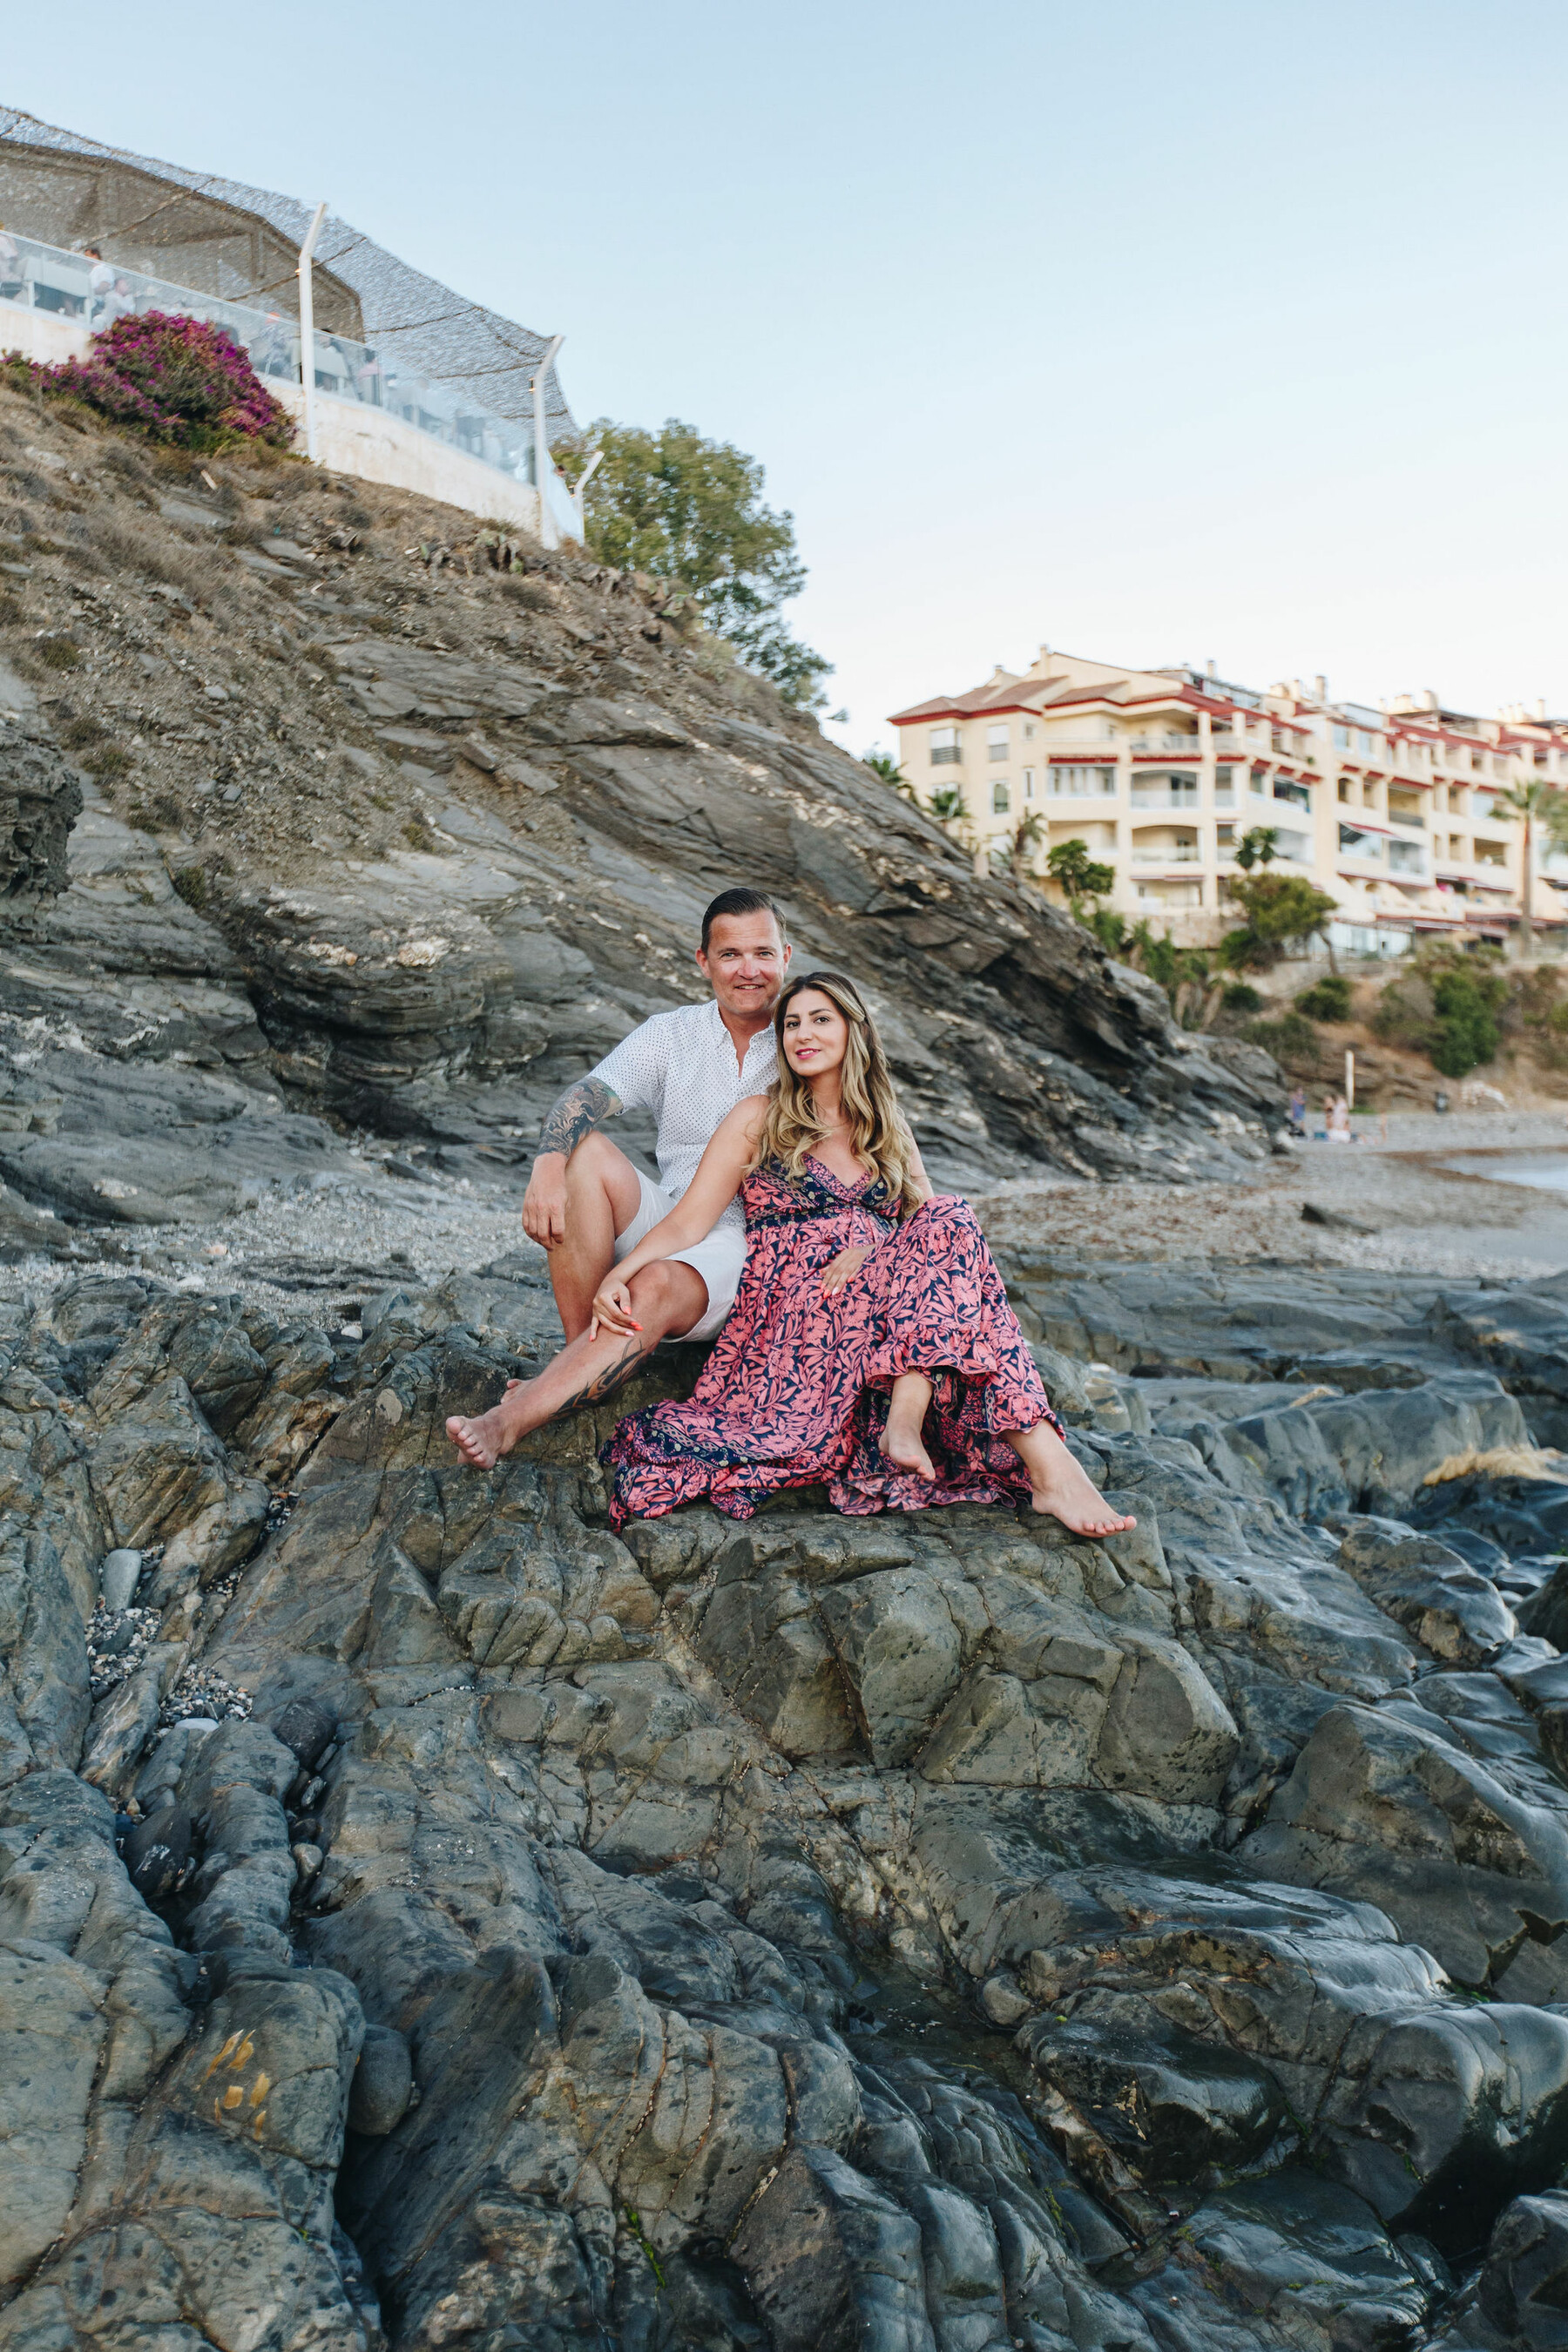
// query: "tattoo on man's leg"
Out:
[604,1383]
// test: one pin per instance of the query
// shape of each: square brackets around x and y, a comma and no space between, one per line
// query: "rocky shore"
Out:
[428,1920]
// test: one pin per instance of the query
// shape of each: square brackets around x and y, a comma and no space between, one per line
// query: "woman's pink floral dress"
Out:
[795,1391]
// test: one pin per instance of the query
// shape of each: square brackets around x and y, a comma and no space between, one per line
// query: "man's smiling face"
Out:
[745,963]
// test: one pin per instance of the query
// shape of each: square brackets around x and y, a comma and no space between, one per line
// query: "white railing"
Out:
[92,295]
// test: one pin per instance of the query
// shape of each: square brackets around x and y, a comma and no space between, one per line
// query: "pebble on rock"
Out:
[121,1574]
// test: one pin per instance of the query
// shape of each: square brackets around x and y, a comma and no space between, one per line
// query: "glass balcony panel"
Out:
[38,277]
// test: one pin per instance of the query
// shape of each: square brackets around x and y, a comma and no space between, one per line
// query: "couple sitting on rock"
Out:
[863,1336]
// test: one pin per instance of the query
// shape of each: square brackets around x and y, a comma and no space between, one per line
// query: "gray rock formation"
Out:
[428,1918]
[40,800]
[440,838]
[932,1929]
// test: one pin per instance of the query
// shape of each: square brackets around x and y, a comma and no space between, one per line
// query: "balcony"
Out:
[1156,801]
[1189,747]
[1412,817]
[946,755]
[1179,853]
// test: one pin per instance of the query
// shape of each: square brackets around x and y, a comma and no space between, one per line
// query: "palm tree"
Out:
[881,763]
[1028,834]
[1260,847]
[1536,803]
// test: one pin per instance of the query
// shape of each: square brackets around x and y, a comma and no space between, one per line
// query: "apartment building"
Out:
[1396,813]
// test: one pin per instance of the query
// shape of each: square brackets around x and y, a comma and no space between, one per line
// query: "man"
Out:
[589,1207]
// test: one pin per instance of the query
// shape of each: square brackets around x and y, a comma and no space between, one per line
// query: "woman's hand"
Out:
[612,1311]
[844,1267]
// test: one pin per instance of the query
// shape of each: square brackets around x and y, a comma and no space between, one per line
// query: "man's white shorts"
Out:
[720,1258]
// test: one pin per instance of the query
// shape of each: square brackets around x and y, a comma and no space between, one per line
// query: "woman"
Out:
[871,1347]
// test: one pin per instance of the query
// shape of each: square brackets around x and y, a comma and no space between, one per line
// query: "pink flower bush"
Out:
[178,378]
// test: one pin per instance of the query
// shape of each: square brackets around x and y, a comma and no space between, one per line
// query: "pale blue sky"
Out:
[1159,333]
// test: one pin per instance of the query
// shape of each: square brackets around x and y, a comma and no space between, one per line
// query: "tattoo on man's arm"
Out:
[579,1111]
[604,1383]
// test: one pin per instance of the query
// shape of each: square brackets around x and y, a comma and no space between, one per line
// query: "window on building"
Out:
[1341,739]
[1344,790]
[1028,774]
[996,743]
[1368,746]
[1001,797]
[944,746]
[1257,783]
[1029,730]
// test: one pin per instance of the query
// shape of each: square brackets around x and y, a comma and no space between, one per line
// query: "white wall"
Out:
[353,438]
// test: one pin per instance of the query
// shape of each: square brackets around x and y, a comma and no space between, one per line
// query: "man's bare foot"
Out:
[901,1444]
[1066,1491]
[487,1437]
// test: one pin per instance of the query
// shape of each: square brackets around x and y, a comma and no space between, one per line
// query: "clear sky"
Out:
[1232,330]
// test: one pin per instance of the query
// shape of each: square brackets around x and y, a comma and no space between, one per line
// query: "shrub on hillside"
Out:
[1292,1040]
[1328,999]
[178,380]
[1448,1007]
[1466,1004]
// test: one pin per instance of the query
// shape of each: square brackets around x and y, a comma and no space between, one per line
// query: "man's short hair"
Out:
[738,902]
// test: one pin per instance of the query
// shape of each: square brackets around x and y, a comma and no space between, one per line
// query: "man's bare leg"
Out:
[903,1443]
[667,1299]
[603,1197]
[1061,1486]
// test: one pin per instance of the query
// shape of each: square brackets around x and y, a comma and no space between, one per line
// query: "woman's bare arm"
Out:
[718,1177]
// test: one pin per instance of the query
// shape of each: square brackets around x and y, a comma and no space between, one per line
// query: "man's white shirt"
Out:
[681,1067]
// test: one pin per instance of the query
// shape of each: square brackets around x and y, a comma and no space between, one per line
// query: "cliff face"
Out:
[444,814]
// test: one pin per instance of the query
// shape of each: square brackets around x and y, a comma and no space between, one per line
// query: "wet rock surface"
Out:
[932,1929]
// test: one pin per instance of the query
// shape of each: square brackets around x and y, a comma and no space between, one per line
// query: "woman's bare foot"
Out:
[1060,1485]
[901,1440]
[901,1446]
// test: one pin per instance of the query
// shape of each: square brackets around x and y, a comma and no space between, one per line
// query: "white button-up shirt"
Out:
[681,1065]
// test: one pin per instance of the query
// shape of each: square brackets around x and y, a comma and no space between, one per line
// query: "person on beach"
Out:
[871,1347]
[1339,1126]
[588,1207]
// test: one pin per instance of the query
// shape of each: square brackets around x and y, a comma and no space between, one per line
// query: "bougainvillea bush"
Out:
[180,380]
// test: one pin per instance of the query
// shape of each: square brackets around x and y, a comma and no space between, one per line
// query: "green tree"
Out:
[1257,846]
[686,508]
[1276,910]
[1538,803]
[883,764]
[1076,874]
[948,804]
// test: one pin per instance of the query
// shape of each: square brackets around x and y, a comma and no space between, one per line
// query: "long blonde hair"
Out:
[879,1133]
